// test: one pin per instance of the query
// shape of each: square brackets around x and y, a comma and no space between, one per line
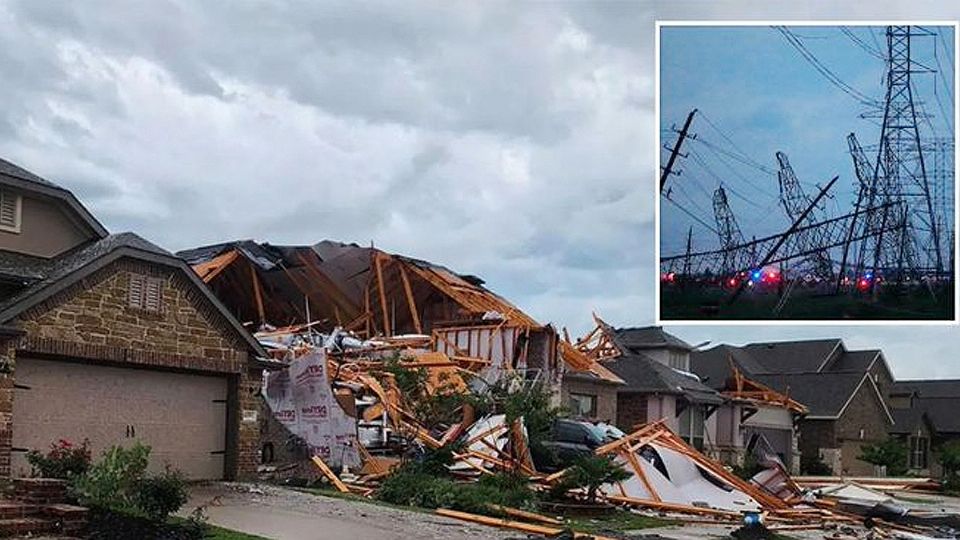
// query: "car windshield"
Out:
[597,433]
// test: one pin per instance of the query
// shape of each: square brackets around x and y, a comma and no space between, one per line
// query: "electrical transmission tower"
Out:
[795,202]
[729,232]
[914,248]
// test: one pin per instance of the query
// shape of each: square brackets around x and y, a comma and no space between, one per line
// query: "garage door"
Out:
[182,417]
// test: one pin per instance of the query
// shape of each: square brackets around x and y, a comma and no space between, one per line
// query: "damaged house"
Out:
[658,384]
[109,338]
[843,391]
[371,293]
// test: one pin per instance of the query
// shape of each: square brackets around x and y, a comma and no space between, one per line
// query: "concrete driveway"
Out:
[286,514]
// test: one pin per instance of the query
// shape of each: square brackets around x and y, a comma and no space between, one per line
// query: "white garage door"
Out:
[181,417]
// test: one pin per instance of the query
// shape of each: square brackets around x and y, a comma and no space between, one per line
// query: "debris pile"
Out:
[366,406]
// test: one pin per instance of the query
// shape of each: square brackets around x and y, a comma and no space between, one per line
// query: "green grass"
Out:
[219,533]
[620,521]
[330,492]
[212,532]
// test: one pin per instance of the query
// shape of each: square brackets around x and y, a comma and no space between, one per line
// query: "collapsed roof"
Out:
[370,292]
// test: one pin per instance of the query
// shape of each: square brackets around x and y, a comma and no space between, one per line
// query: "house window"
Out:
[146,293]
[691,425]
[583,405]
[677,360]
[918,452]
[10,208]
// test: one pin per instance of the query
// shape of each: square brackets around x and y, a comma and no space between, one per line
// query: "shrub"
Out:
[63,460]
[749,468]
[122,496]
[110,482]
[814,466]
[113,524]
[891,453]
[950,461]
[411,486]
[590,472]
[160,495]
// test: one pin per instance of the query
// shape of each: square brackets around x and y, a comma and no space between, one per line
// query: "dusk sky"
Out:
[753,87]
[514,141]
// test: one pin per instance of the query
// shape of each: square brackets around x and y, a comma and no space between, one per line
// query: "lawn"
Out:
[621,521]
[219,533]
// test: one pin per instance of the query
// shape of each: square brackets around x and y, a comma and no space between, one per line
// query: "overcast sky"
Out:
[515,142]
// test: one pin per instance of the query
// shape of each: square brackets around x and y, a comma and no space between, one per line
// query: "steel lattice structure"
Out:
[794,201]
[729,232]
[913,249]
[833,233]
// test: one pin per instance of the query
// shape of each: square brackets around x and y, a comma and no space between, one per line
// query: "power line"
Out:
[743,155]
[691,214]
[862,44]
[793,40]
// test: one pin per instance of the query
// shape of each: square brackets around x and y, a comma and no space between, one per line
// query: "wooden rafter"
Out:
[411,303]
[382,293]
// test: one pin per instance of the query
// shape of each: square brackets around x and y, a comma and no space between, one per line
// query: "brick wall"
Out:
[631,410]
[93,320]
[606,396]
[864,412]
[6,405]
[816,436]
[97,312]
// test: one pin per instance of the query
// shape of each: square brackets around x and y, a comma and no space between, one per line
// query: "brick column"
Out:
[7,362]
[248,432]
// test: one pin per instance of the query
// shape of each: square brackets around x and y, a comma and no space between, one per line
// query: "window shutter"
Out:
[8,210]
[137,286]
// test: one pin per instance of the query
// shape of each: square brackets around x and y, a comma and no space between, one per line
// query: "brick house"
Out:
[845,392]
[657,383]
[112,339]
[926,418]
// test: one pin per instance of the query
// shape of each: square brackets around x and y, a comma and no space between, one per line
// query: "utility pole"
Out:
[773,250]
[686,260]
[676,150]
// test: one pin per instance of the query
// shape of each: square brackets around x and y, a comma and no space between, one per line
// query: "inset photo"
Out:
[807,171]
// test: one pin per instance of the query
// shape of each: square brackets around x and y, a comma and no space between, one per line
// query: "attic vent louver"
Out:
[146,293]
[9,211]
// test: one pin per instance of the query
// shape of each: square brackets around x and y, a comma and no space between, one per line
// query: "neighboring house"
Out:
[658,384]
[927,414]
[845,392]
[754,415]
[112,339]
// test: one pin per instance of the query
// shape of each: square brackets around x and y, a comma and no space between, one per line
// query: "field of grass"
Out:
[709,303]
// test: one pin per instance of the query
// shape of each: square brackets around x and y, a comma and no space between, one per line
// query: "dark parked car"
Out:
[569,440]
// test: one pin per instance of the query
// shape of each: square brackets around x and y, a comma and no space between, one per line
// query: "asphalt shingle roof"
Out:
[9,169]
[938,399]
[792,356]
[949,388]
[648,337]
[644,374]
[824,394]
[57,268]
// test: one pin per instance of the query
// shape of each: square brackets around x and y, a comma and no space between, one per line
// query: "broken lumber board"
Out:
[337,483]
[510,524]
[673,507]
[523,514]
